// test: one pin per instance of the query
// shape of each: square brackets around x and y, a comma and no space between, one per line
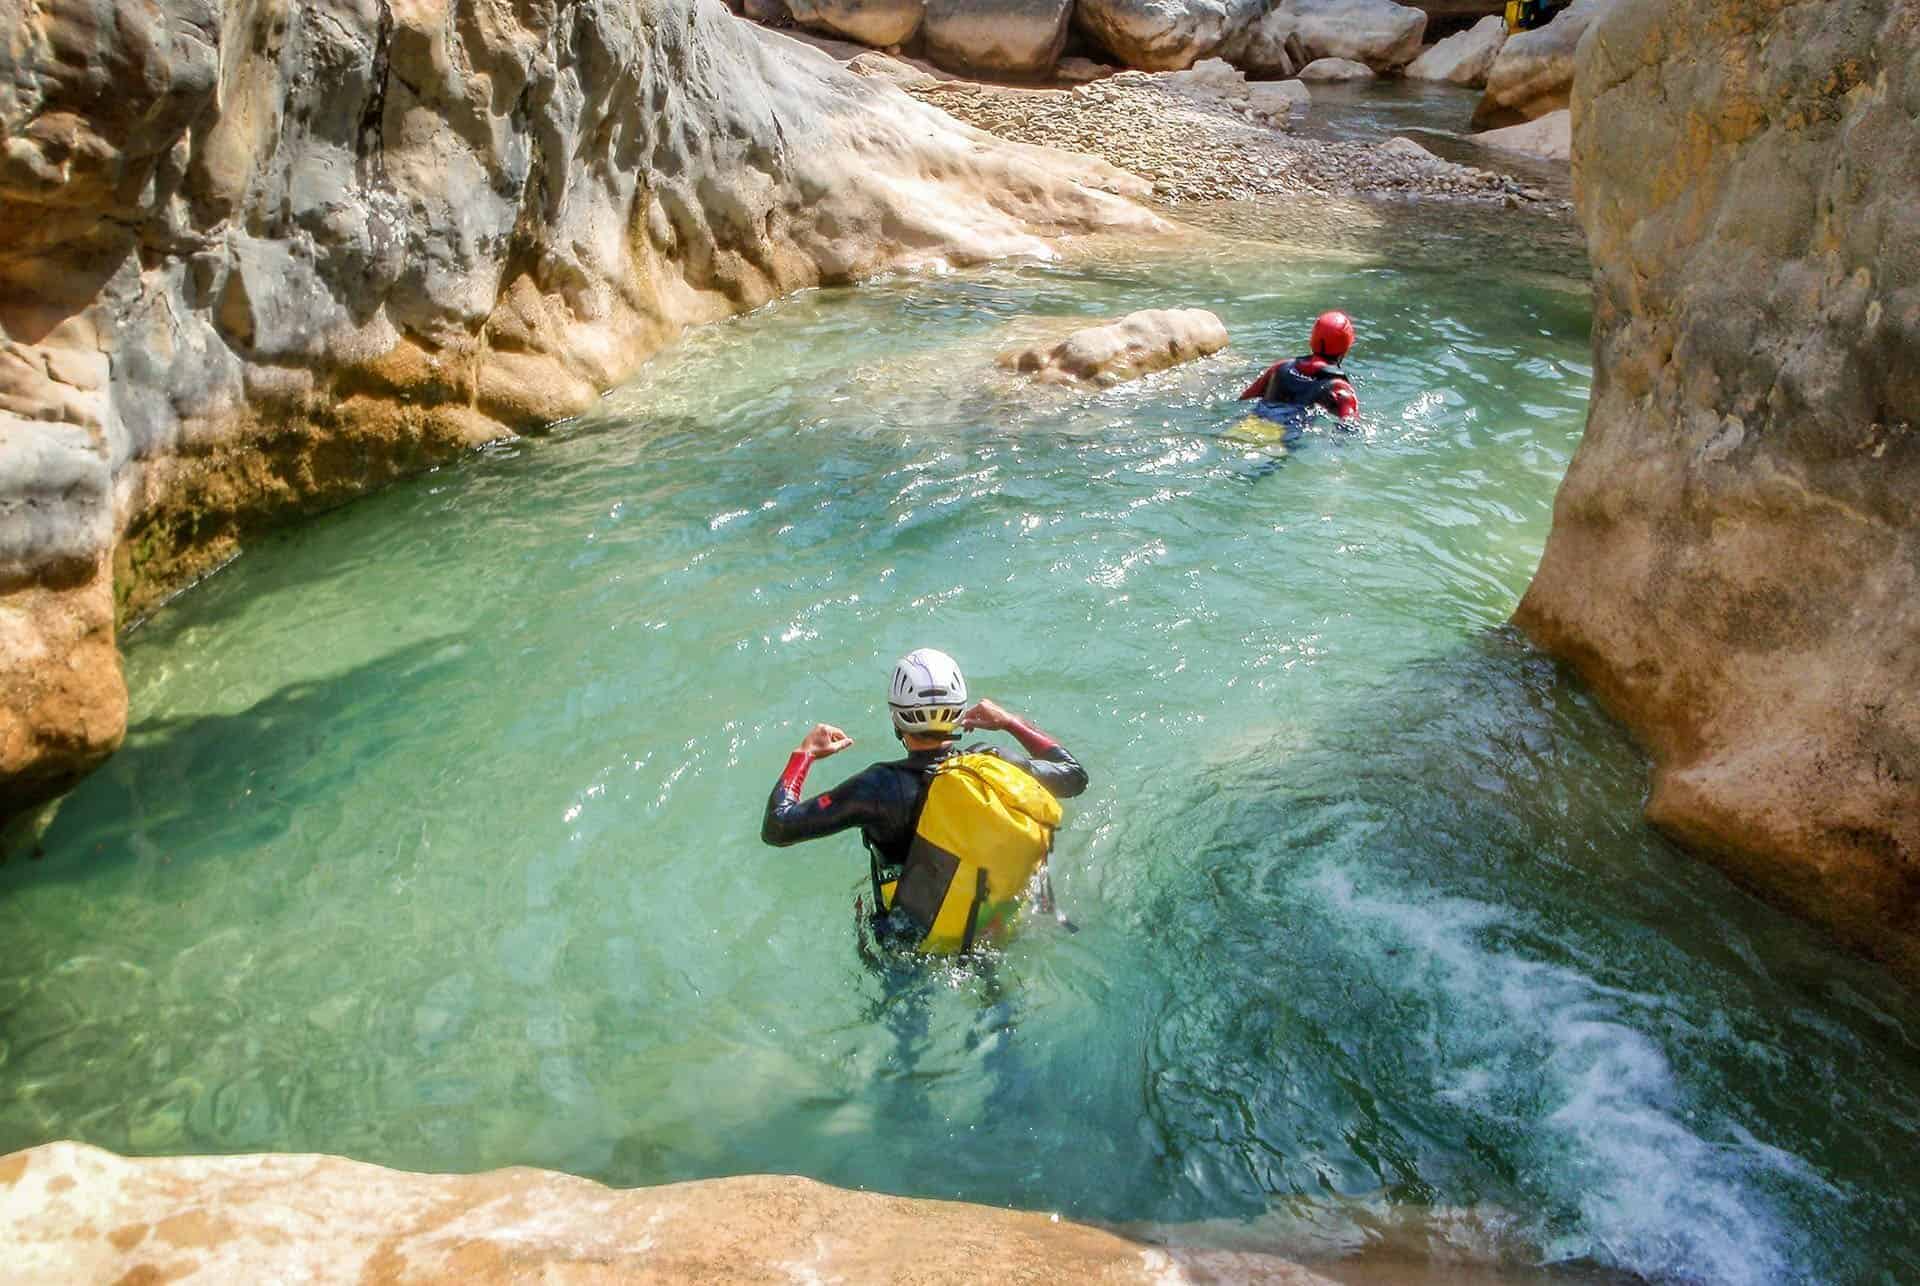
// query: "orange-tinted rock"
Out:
[76,1213]
[1734,563]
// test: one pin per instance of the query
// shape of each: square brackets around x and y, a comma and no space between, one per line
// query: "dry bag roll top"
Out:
[984,830]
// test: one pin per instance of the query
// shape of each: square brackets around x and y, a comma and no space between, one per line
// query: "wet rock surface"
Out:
[257,262]
[1138,344]
[1734,563]
[76,1213]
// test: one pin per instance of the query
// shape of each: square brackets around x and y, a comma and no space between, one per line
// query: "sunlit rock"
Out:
[1015,38]
[76,1213]
[1465,57]
[1734,563]
[1165,35]
[1138,344]
[1533,72]
[258,261]
[1550,138]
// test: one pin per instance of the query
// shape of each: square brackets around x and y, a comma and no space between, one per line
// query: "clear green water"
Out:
[435,838]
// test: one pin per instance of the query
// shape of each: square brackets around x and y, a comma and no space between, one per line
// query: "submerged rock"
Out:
[1550,138]
[1465,57]
[260,260]
[1734,563]
[1533,72]
[1138,344]
[77,1213]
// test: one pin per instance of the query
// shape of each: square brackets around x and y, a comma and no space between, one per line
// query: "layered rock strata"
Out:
[75,1213]
[259,259]
[1734,563]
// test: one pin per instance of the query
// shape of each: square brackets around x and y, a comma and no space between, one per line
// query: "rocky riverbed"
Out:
[1196,143]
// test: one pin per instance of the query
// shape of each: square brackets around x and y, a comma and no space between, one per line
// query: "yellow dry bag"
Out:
[984,830]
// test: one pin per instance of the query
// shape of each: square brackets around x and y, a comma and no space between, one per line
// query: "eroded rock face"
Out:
[1533,72]
[1165,35]
[76,1213]
[257,261]
[1138,344]
[1018,39]
[1465,57]
[879,23]
[1734,564]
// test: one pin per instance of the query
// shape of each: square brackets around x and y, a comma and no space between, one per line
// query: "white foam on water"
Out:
[1663,1187]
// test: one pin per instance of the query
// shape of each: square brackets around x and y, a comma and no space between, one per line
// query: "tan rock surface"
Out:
[1550,138]
[1533,72]
[1465,57]
[76,1214]
[257,261]
[1734,563]
[1138,344]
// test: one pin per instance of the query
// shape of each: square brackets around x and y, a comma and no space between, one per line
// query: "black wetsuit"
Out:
[884,800]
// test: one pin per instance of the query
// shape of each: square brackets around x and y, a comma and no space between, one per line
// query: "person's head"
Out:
[1332,336]
[927,697]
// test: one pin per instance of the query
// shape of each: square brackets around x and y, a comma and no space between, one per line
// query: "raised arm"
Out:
[790,819]
[1047,760]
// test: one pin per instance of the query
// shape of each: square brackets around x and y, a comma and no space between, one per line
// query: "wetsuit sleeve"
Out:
[1259,387]
[1342,400]
[1049,761]
[860,800]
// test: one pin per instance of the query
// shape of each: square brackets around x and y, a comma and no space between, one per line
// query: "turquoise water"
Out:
[435,840]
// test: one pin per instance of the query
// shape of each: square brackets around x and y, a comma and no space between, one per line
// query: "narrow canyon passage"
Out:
[434,842]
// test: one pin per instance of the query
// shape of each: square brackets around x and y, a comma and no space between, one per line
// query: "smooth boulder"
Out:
[1379,33]
[1734,561]
[1164,35]
[1270,47]
[880,23]
[1533,72]
[1021,39]
[78,1214]
[1136,345]
[1549,138]
[1465,57]
[1336,69]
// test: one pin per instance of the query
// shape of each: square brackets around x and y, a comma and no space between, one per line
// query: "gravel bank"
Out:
[1202,147]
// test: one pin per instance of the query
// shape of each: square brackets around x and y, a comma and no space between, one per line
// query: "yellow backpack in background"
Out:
[986,827]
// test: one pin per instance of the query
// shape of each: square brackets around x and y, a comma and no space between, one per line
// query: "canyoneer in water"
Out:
[955,837]
[1288,391]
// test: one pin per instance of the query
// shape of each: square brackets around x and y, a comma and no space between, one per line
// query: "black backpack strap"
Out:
[973,912]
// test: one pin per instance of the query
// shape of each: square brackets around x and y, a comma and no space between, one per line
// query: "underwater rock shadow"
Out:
[128,811]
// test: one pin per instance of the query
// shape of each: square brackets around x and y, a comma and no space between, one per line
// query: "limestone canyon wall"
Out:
[1735,556]
[256,258]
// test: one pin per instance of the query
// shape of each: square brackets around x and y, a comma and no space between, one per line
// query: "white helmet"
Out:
[928,693]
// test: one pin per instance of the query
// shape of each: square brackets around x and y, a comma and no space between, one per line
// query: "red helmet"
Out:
[1332,336]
